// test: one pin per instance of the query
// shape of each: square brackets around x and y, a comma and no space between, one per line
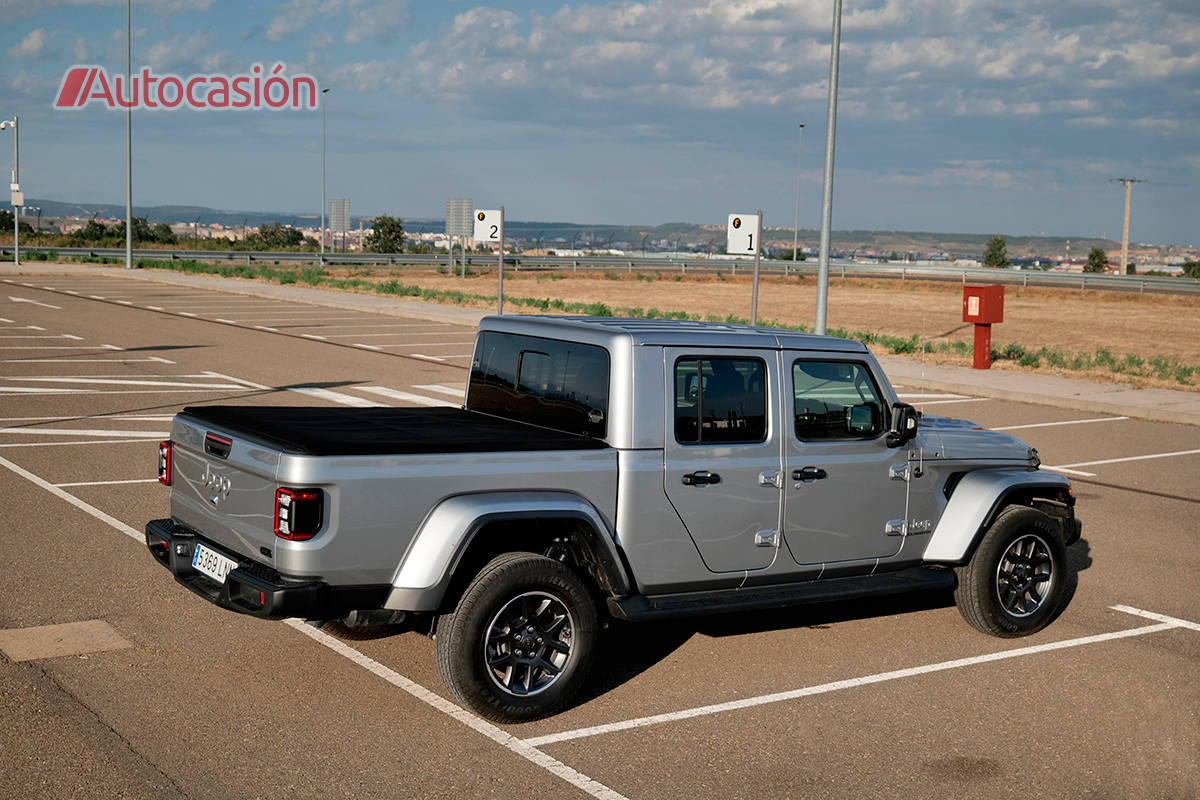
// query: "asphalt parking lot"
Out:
[896,698]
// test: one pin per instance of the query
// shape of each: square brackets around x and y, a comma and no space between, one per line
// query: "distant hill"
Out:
[630,237]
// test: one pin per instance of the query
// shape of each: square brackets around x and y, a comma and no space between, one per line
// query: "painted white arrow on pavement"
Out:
[34,302]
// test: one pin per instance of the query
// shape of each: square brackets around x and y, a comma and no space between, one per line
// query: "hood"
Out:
[962,440]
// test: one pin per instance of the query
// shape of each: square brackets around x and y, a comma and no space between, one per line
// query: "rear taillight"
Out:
[164,463]
[298,513]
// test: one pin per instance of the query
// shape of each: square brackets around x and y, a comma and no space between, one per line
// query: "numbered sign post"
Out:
[742,237]
[489,227]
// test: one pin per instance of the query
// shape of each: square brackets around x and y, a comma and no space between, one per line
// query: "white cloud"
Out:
[379,22]
[31,47]
[182,50]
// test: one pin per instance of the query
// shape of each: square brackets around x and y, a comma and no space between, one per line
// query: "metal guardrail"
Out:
[694,264]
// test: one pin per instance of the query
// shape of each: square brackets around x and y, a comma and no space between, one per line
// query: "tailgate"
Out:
[223,486]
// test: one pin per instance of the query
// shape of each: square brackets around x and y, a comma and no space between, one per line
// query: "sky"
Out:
[980,116]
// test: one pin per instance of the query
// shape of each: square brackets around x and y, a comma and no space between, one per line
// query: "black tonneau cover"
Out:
[321,431]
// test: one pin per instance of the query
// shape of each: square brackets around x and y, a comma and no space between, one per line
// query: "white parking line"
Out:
[117,382]
[1052,424]
[1176,621]
[914,396]
[75,443]
[336,397]
[313,336]
[851,683]
[946,402]
[1127,458]
[394,333]
[107,483]
[85,432]
[429,344]
[396,394]
[1066,471]
[83,360]
[487,729]
[40,336]
[432,358]
[437,387]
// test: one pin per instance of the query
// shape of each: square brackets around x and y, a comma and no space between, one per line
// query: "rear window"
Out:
[555,384]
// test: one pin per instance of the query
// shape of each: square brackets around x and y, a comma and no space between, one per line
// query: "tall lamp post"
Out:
[16,186]
[796,228]
[129,135]
[323,93]
[827,193]
[38,209]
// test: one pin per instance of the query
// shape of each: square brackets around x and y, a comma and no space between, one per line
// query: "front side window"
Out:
[720,400]
[835,400]
[546,382]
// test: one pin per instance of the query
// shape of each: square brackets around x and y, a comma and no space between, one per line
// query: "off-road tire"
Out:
[490,603]
[1006,593]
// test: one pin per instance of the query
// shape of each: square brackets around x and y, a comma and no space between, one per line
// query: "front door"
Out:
[722,454]
[841,494]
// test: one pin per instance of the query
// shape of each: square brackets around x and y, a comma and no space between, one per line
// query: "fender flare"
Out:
[428,566]
[975,501]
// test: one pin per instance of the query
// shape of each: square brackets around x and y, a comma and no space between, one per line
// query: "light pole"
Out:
[1129,182]
[827,194]
[38,209]
[323,93]
[16,186]
[796,229]
[129,136]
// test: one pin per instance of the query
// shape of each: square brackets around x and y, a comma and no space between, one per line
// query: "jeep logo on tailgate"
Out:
[216,484]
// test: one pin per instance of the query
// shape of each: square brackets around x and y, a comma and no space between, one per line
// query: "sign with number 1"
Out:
[741,235]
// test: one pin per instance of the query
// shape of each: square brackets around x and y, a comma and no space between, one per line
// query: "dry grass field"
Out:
[1139,339]
[1133,329]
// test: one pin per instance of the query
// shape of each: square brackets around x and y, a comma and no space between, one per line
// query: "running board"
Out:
[720,601]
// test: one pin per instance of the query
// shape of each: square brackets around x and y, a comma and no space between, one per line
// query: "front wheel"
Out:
[1016,583]
[521,639]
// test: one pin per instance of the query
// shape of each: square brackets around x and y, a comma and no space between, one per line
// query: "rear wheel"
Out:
[521,639]
[1015,583]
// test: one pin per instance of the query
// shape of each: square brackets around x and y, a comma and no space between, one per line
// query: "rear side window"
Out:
[720,400]
[835,400]
[555,384]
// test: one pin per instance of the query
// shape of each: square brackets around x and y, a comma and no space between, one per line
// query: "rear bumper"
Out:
[254,588]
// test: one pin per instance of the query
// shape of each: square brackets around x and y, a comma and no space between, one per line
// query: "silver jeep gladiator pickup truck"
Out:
[640,468]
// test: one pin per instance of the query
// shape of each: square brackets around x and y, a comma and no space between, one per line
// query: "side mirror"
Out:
[904,424]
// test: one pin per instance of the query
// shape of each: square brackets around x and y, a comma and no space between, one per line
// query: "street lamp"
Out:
[16,186]
[796,229]
[827,189]
[323,93]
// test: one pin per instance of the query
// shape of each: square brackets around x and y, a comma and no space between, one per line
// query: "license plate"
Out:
[212,564]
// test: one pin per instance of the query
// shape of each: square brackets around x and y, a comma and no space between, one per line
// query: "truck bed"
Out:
[319,431]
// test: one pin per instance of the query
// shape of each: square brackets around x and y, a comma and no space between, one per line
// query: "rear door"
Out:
[841,495]
[723,454]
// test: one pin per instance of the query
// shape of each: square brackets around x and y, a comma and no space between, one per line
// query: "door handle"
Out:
[809,474]
[701,478]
